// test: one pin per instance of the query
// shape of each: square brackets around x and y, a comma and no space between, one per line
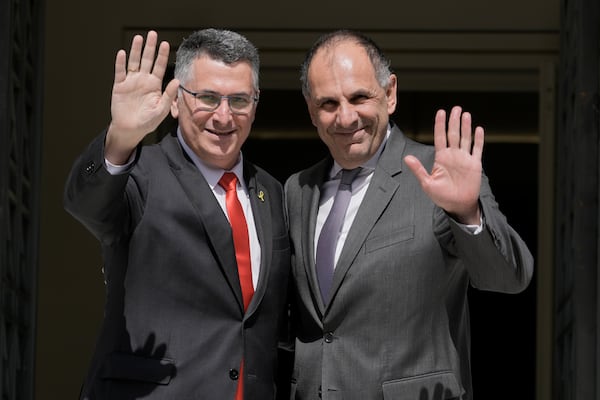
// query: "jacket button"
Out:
[328,337]
[90,167]
[234,374]
[320,393]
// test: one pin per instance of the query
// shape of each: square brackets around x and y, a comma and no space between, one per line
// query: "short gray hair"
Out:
[219,44]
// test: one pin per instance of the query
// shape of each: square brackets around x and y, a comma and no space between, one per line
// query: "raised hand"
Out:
[455,179]
[138,104]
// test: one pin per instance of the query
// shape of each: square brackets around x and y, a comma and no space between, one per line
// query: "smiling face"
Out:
[217,136]
[347,104]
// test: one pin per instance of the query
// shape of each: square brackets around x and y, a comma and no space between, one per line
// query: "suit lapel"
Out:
[261,211]
[311,195]
[210,214]
[380,192]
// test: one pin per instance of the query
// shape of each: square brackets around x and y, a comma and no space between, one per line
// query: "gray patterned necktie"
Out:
[325,257]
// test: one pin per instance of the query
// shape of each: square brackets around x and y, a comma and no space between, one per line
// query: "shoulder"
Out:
[155,155]
[399,140]
[400,144]
[263,175]
[314,174]
[255,175]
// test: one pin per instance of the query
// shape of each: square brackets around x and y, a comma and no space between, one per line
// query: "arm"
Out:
[95,197]
[92,195]
[497,258]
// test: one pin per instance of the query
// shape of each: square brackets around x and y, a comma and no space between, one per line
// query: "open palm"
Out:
[455,178]
[138,103]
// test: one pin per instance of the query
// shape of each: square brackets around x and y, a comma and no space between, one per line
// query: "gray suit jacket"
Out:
[397,325]
[174,325]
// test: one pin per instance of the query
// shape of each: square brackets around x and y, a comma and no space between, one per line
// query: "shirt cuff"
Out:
[114,169]
[472,229]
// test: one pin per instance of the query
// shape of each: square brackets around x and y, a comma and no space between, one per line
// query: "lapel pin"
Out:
[261,196]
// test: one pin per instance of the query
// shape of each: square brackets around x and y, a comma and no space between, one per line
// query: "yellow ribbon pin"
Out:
[261,196]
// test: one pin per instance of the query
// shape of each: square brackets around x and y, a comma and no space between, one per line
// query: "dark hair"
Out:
[219,44]
[380,62]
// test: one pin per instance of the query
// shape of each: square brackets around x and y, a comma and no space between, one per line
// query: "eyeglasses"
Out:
[209,101]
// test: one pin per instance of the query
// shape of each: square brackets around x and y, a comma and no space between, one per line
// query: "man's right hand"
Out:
[138,104]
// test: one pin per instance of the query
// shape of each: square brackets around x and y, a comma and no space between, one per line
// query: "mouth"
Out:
[350,130]
[221,133]
[353,135]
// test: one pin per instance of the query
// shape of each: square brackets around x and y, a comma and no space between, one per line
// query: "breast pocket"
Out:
[389,239]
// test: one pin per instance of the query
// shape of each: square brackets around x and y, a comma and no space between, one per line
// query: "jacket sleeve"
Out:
[95,197]
[496,259]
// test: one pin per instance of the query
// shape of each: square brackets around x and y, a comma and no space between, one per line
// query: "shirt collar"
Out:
[368,166]
[211,174]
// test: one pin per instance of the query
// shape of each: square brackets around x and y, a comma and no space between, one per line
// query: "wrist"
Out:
[117,150]
[469,217]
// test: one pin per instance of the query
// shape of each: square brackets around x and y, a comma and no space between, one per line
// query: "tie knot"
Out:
[228,181]
[348,176]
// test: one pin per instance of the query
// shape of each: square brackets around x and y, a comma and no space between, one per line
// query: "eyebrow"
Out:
[356,93]
[321,100]
[363,92]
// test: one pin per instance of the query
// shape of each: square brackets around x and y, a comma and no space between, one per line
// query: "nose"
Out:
[224,107]
[346,115]
[223,112]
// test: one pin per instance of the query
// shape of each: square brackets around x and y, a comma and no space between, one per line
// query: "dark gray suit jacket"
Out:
[397,325]
[174,325]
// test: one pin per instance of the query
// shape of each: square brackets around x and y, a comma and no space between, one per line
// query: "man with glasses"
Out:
[195,245]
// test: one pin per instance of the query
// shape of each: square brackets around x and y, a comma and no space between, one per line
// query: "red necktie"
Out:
[241,242]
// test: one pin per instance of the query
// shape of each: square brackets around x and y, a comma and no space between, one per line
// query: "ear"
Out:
[391,94]
[253,116]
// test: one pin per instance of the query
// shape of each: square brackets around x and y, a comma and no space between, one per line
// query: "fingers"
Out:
[459,133]
[120,66]
[465,132]
[145,61]
[162,60]
[454,127]
[439,130]
[149,50]
[135,53]
[478,143]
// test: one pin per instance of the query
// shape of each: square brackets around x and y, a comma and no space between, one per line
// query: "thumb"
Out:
[417,168]
[170,91]
[168,96]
